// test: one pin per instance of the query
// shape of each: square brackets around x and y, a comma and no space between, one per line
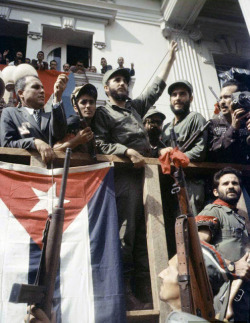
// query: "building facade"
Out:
[213,35]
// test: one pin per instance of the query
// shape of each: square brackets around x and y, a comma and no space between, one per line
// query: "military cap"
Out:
[184,83]
[111,73]
[83,89]
[153,111]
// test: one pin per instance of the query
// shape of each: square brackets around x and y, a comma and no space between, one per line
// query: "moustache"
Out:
[231,191]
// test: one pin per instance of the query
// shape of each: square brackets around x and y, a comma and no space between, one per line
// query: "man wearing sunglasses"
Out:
[153,121]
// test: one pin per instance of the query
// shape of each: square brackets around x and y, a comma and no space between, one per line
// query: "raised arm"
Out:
[164,72]
[58,118]
[148,98]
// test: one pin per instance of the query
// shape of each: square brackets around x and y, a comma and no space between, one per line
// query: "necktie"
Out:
[37,116]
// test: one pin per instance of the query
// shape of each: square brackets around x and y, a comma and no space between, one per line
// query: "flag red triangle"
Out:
[19,197]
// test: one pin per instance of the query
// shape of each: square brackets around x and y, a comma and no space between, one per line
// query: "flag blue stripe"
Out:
[105,252]
[66,97]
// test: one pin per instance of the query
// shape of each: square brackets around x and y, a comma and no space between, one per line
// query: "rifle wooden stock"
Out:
[195,289]
[43,292]
[83,124]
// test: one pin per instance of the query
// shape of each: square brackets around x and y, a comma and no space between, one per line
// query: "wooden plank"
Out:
[37,161]
[156,239]
[142,313]
[204,166]
[146,316]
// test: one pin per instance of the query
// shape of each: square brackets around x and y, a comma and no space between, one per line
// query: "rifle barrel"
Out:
[64,178]
[214,94]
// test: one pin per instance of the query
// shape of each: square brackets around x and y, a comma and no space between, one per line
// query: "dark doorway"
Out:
[9,39]
[75,53]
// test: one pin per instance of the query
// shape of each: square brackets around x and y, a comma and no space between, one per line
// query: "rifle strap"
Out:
[182,245]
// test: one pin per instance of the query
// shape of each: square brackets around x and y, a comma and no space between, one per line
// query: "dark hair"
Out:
[53,60]
[80,61]
[224,171]
[40,51]
[240,86]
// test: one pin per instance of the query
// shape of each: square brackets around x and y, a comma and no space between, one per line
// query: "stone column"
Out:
[34,41]
[186,65]
[245,7]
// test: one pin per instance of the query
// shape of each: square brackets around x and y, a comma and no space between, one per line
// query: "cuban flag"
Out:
[89,287]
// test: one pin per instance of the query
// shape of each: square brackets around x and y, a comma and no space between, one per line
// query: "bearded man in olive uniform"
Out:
[220,224]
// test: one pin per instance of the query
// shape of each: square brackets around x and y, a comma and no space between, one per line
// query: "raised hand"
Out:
[172,51]
[59,87]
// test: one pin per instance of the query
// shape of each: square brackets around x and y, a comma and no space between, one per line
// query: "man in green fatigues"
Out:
[220,225]
[185,124]
[119,130]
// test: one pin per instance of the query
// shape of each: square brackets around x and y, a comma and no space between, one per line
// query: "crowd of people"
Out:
[40,64]
[134,128]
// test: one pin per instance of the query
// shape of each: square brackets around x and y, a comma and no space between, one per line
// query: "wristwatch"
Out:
[231,267]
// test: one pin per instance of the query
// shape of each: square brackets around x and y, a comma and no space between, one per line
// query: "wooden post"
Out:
[37,161]
[156,239]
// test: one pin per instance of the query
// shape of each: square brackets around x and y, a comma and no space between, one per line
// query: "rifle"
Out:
[195,290]
[83,124]
[194,136]
[43,289]
[214,94]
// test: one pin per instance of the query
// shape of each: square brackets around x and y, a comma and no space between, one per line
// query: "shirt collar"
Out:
[223,203]
[181,119]
[30,110]
[114,106]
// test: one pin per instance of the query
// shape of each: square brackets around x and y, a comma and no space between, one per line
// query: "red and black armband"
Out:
[207,221]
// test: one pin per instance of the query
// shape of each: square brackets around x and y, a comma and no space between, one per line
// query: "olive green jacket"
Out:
[184,129]
[117,129]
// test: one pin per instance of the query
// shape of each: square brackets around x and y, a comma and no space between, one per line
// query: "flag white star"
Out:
[47,200]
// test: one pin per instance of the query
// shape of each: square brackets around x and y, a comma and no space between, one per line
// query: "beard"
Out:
[182,111]
[118,96]
[230,200]
[154,134]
